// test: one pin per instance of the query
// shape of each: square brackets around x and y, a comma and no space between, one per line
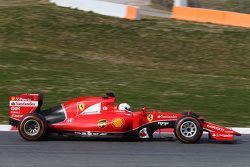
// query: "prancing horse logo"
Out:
[150,117]
[81,106]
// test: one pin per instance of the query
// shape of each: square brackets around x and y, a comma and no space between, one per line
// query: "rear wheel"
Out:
[33,127]
[188,130]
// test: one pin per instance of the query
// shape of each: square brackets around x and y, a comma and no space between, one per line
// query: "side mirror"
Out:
[110,94]
[143,109]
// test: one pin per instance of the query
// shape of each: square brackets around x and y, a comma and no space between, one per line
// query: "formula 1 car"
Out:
[99,116]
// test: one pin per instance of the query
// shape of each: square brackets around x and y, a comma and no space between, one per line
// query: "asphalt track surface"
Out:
[62,152]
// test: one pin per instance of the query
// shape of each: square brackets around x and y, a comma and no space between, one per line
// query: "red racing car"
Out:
[99,116]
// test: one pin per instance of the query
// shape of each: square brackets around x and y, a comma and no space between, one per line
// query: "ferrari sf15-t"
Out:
[99,116]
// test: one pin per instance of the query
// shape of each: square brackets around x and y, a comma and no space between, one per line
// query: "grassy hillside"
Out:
[164,64]
[242,6]
[228,5]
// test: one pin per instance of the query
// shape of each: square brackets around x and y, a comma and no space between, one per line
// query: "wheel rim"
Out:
[188,129]
[31,127]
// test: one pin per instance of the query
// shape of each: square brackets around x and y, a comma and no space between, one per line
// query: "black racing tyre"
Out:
[188,129]
[33,127]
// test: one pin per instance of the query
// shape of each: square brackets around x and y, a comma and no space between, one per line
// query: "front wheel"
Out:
[33,127]
[188,130]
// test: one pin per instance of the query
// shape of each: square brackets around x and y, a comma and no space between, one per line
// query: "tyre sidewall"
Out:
[184,139]
[43,127]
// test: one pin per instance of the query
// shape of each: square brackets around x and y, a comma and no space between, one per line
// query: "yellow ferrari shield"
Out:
[150,117]
[81,106]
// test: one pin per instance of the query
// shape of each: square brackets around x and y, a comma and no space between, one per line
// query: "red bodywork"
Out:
[100,115]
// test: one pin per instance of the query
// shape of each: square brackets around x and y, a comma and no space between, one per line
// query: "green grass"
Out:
[161,63]
[226,5]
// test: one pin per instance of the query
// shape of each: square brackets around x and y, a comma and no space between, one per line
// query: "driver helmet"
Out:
[124,106]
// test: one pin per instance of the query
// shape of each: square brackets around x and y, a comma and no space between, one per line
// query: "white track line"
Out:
[242,130]
[8,128]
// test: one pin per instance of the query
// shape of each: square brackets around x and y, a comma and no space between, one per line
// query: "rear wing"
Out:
[23,104]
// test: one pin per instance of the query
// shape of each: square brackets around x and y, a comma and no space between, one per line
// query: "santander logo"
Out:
[24,103]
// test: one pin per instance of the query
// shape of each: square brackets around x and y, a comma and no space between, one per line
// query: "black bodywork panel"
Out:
[53,115]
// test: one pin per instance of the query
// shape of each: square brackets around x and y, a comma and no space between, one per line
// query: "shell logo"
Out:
[118,122]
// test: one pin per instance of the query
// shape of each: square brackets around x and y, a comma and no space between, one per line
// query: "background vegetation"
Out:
[242,6]
[161,63]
